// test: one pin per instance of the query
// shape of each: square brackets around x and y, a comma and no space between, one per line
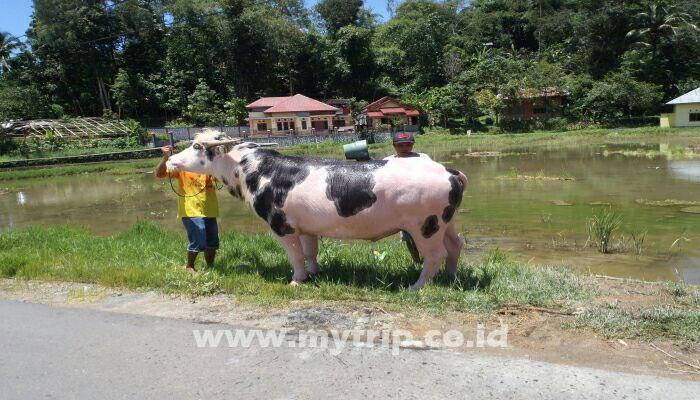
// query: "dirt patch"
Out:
[533,332]
[667,202]
[560,203]
[534,178]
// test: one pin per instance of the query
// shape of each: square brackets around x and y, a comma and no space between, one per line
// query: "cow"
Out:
[302,198]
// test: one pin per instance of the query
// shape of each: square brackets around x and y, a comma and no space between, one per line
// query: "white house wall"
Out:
[682,111]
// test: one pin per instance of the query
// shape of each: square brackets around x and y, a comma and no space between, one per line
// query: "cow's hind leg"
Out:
[434,253]
[309,244]
[453,245]
[295,251]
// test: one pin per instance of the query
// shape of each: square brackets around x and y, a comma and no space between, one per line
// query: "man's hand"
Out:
[161,170]
[167,152]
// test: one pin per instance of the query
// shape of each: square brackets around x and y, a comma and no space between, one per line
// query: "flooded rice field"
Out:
[533,203]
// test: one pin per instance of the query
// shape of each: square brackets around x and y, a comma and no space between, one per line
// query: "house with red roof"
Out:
[389,111]
[294,114]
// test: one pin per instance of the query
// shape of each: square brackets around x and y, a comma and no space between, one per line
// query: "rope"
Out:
[170,179]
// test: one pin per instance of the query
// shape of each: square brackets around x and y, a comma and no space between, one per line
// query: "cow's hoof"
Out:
[415,287]
[294,283]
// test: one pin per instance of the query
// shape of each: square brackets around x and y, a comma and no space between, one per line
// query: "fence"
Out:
[188,133]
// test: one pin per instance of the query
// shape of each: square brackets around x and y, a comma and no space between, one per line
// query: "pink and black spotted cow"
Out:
[302,198]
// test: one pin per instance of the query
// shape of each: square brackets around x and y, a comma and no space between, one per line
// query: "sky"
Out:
[16,14]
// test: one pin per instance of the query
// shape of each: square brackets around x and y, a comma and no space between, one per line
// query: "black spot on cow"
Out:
[201,162]
[455,196]
[252,180]
[278,223]
[236,173]
[211,153]
[235,192]
[350,186]
[430,226]
[224,181]
[452,171]
[245,163]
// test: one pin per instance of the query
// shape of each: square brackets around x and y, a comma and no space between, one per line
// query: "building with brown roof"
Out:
[389,111]
[294,114]
[529,104]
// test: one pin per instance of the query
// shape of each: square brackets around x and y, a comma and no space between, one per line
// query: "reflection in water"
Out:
[518,216]
[688,170]
[21,199]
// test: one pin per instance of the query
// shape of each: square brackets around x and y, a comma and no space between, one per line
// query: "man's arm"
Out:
[161,170]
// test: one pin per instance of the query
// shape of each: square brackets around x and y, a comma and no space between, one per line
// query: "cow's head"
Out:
[199,157]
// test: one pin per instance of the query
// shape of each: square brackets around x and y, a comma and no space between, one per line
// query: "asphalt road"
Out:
[54,352]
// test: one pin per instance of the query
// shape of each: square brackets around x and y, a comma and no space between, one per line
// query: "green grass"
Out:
[602,226]
[255,269]
[70,152]
[116,168]
[649,323]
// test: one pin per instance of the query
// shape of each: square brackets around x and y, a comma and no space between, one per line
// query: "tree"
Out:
[235,111]
[335,14]
[203,106]
[618,96]
[8,44]
[657,22]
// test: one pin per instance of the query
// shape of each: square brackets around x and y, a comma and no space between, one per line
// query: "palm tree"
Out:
[659,21]
[8,44]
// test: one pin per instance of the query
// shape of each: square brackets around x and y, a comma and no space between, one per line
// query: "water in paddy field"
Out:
[512,201]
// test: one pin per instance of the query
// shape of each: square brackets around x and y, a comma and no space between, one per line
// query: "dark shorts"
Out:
[202,232]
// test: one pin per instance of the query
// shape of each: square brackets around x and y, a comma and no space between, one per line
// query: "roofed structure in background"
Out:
[294,114]
[691,97]
[389,111]
[686,111]
[296,103]
[74,128]
[533,104]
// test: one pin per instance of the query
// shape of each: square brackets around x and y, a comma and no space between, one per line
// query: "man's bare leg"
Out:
[209,256]
[191,258]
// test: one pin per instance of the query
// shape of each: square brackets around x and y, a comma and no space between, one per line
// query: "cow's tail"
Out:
[462,180]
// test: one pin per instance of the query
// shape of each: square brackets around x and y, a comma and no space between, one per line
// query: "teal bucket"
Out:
[357,151]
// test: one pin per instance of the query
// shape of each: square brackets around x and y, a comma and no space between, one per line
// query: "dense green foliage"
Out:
[201,60]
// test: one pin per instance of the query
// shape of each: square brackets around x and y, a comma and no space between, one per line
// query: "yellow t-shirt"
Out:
[198,203]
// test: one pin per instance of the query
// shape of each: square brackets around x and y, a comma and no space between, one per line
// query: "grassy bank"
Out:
[115,168]
[256,269]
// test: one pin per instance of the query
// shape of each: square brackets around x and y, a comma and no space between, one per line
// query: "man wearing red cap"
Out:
[403,145]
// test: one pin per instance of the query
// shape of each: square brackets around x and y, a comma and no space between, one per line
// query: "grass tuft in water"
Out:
[602,226]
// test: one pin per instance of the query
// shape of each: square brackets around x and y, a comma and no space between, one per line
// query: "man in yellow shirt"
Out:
[198,208]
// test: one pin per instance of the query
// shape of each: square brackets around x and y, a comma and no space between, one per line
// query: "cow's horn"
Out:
[220,142]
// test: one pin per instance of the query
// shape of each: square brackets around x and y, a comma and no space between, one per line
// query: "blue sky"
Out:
[15,14]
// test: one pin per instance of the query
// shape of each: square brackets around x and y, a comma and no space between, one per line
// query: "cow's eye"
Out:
[197,146]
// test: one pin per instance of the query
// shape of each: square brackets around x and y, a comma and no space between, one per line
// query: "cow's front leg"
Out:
[295,252]
[309,244]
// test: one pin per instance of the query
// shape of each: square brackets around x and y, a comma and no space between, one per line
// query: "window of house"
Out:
[694,117]
[338,122]
[291,125]
[539,110]
[279,126]
[303,124]
[286,125]
[262,126]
